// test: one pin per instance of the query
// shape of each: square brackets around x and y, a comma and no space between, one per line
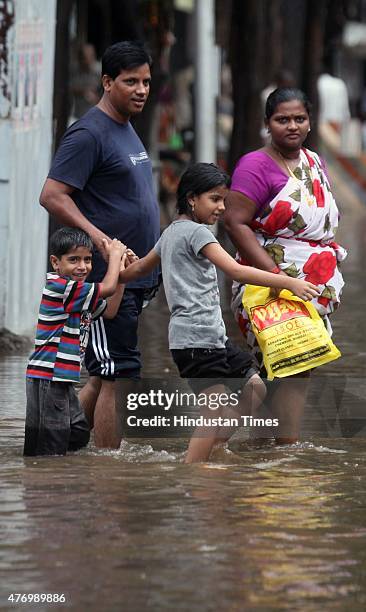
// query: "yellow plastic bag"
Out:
[289,331]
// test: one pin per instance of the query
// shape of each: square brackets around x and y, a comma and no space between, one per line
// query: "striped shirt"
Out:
[66,311]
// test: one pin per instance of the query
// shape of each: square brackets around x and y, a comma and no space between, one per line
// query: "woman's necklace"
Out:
[299,178]
[291,172]
[283,160]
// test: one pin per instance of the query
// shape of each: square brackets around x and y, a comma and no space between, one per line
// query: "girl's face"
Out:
[208,206]
[289,125]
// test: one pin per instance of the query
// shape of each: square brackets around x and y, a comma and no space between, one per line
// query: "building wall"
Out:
[4,198]
[6,28]
[25,149]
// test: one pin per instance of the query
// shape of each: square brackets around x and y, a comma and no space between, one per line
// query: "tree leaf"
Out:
[298,173]
[297,224]
[276,251]
[292,271]
[309,185]
[307,172]
[296,195]
[329,292]
[327,224]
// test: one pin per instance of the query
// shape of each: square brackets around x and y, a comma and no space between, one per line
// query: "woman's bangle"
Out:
[275,270]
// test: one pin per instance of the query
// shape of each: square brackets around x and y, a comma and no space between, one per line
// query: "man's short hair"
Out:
[67,238]
[124,55]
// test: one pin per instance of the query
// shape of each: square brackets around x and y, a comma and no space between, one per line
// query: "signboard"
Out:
[27,72]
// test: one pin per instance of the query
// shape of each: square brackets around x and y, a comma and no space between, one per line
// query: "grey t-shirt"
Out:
[190,283]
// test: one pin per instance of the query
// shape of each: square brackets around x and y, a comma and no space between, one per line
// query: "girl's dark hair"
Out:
[285,94]
[124,56]
[67,238]
[197,179]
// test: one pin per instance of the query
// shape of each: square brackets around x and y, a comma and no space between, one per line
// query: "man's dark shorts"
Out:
[112,350]
[55,422]
[229,366]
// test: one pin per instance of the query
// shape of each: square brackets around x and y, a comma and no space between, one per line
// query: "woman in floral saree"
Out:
[282,217]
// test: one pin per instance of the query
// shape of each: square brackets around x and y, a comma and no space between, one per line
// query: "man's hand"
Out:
[100,240]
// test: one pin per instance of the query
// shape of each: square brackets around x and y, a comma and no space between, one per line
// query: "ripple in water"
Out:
[139,453]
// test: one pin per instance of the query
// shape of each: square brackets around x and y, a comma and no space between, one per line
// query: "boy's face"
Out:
[76,264]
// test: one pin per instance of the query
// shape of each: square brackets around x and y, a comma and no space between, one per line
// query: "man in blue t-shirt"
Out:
[101,181]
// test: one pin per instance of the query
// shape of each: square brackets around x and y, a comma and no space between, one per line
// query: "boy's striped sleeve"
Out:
[80,296]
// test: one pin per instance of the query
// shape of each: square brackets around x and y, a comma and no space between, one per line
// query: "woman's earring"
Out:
[309,130]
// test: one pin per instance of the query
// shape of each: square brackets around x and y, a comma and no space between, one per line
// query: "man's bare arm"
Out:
[55,198]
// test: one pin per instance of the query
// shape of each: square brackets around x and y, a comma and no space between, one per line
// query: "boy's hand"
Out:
[115,247]
[304,290]
[131,257]
[124,263]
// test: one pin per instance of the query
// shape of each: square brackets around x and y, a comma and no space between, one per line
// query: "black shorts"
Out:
[229,366]
[112,350]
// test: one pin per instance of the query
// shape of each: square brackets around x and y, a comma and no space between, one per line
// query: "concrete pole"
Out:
[206,81]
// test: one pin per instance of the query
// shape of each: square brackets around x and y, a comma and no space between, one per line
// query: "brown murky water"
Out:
[136,529]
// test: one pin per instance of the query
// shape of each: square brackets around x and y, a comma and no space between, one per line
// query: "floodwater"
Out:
[136,529]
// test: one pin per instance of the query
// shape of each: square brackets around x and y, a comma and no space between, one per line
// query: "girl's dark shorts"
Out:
[229,366]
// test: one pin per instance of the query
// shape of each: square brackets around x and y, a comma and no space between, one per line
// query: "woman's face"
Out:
[289,125]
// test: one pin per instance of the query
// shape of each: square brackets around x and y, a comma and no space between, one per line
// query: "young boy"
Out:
[55,422]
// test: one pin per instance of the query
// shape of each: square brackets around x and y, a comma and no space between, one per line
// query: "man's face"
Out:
[128,92]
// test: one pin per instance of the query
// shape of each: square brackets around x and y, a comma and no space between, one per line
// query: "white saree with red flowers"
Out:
[297,229]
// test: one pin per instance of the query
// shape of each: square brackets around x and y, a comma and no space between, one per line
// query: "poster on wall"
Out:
[27,72]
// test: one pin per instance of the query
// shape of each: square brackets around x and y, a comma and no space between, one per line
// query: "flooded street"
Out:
[136,529]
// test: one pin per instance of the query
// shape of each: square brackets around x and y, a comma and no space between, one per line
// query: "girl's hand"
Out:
[304,290]
[131,257]
[274,291]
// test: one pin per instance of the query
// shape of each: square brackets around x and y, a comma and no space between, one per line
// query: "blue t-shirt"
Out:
[107,164]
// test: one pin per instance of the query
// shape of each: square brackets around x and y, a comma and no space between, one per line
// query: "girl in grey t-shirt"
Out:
[189,254]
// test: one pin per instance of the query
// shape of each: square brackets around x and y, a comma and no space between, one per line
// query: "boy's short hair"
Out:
[67,238]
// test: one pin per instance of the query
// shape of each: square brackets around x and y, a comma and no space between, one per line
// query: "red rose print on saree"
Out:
[318,193]
[324,301]
[320,267]
[279,217]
